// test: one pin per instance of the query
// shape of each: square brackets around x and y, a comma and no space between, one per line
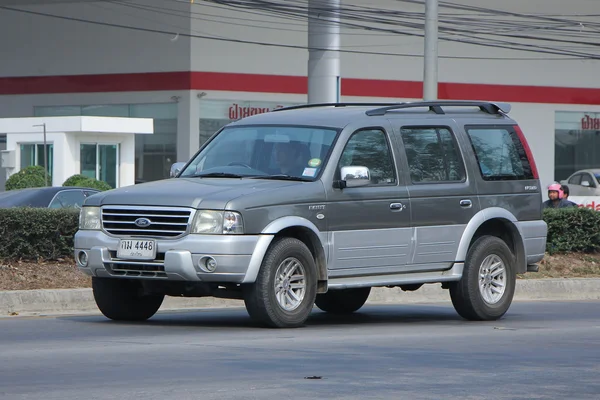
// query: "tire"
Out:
[122,299]
[268,300]
[483,299]
[344,301]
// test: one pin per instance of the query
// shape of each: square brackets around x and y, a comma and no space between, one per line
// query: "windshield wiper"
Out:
[282,177]
[216,175]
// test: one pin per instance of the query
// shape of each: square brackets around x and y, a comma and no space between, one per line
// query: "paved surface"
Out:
[540,350]
[31,302]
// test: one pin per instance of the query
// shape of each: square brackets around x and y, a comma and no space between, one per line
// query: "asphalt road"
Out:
[537,351]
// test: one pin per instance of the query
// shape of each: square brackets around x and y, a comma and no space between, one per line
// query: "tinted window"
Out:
[588,178]
[499,153]
[575,179]
[68,199]
[265,151]
[370,148]
[432,155]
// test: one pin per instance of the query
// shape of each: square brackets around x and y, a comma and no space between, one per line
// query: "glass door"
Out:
[100,161]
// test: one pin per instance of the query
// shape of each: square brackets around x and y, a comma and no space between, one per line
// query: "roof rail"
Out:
[436,106]
[314,105]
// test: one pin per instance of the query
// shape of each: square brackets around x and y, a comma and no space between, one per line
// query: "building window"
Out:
[33,154]
[154,153]
[576,142]
[100,161]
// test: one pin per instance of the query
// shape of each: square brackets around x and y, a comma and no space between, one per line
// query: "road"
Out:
[537,351]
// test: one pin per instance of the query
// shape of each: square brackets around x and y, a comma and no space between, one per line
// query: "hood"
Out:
[208,193]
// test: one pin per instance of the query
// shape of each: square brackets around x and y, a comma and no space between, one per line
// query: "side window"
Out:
[432,155]
[370,148]
[575,179]
[68,199]
[500,154]
[588,178]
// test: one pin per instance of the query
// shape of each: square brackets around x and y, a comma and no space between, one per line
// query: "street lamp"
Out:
[45,155]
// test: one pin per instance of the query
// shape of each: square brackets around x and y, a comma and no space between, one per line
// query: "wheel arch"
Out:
[497,222]
[301,229]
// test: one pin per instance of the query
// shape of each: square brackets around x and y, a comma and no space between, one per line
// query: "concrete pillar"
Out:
[430,67]
[188,125]
[324,82]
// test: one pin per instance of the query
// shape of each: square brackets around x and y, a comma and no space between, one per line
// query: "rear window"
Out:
[500,154]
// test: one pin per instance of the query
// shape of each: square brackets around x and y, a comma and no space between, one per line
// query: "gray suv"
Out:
[317,204]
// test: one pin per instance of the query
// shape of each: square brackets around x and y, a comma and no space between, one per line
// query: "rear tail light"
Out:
[528,153]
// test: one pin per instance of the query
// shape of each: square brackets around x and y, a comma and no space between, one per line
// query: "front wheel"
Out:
[286,286]
[487,286]
[124,300]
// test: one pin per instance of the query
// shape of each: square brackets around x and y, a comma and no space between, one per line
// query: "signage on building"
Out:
[237,111]
[592,202]
[590,123]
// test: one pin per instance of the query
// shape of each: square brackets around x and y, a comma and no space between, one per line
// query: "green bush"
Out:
[84,181]
[37,233]
[572,230]
[29,177]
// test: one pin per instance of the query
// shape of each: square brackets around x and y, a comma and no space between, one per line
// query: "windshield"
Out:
[269,152]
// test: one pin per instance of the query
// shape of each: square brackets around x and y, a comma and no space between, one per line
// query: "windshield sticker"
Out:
[314,162]
[309,172]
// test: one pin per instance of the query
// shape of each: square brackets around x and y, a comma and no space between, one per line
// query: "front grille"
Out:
[164,222]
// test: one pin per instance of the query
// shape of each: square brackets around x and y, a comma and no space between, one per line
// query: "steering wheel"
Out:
[241,164]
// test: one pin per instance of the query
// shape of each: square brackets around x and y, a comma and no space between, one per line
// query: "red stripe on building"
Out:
[159,81]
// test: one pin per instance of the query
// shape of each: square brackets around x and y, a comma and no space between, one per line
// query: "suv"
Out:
[317,204]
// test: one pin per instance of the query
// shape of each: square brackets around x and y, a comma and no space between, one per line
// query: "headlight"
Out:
[89,218]
[217,222]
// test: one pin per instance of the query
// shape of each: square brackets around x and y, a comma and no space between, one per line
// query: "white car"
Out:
[584,182]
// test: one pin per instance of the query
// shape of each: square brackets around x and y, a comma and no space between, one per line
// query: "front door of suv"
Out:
[369,226]
[442,199]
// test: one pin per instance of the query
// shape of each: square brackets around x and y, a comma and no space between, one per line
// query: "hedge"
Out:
[29,177]
[84,181]
[572,230]
[46,234]
[37,233]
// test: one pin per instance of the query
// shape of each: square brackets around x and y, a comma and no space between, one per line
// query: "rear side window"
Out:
[500,154]
[432,155]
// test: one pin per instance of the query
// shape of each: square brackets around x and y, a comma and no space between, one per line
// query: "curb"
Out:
[57,301]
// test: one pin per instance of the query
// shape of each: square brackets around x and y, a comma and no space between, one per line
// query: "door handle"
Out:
[397,206]
[465,203]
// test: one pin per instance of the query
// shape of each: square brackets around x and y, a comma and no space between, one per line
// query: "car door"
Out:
[588,185]
[442,198]
[369,226]
[575,187]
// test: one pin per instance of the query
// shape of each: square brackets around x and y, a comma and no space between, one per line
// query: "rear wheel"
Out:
[487,287]
[344,301]
[285,288]
[124,299]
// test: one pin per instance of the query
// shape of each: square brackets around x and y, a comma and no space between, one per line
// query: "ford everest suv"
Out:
[319,203]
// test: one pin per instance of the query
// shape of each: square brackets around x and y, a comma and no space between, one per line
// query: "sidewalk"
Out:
[34,302]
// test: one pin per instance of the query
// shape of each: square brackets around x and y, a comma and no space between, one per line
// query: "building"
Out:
[193,66]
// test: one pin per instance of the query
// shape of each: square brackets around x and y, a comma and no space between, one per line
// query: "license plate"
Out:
[137,249]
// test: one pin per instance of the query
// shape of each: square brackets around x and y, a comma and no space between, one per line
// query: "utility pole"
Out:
[430,68]
[45,154]
[324,82]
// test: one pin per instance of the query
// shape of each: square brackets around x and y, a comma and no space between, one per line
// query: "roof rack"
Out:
[313,105]
[436,106]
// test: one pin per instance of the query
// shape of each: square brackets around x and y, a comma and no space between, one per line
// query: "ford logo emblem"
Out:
[142,222]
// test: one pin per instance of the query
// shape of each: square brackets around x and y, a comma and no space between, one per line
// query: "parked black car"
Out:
[46,197]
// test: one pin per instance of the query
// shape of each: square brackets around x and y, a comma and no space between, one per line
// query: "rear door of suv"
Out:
[443,198]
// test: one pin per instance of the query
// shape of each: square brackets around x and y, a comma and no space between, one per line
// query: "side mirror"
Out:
[585,183]
[355,176]
[176,169]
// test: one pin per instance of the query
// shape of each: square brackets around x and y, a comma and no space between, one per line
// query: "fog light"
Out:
[82,257]
[207,264]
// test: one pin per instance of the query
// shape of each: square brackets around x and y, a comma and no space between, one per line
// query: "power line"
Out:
[241,41]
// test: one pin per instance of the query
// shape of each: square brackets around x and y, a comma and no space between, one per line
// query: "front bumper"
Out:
[237,257]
